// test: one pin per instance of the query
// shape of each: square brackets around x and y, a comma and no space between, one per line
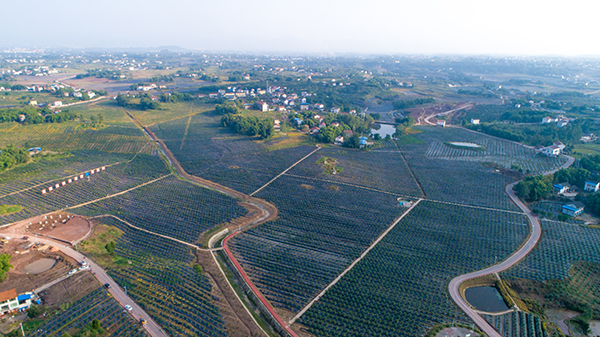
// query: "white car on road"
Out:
[128,307]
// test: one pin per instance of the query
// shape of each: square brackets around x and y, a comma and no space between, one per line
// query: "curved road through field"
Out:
[117,292]
[269,212]
[534,236]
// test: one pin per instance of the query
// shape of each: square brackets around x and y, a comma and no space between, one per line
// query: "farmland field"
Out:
[216,154]
[498,151]
[159,276]
[551,258]
[383,171]
[459,175]
[99,305]
[68,137]
[45,169]
[318,234]
[171,207]
[399,288]
[141,169]
[517,324]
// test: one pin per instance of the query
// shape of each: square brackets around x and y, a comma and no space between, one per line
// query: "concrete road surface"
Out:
[118,293]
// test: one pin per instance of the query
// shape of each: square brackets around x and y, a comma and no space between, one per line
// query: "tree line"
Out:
[10,157]
[145,102]
[249,126]
[411,103]
[35,115]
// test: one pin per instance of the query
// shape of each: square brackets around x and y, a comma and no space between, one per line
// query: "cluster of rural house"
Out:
[53,88]
[560,120]
[277,99]
[576,208]
[11,302]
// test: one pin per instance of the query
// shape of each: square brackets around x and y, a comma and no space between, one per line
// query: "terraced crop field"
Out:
[100,305]
[400,287]
[498,151]
[171,207]
[159,276]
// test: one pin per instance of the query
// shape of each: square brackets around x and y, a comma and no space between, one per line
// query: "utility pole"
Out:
[22,331]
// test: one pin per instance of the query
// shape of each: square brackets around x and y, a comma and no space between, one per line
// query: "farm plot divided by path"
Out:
[218,155]
[499,151]
[382,171]
[322,228]
[399,288]
[561,245]
[114,179]
[459,175]
[171,207]
[47,169]
[96,305]
[161,279]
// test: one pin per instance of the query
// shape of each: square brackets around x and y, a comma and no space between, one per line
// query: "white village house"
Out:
[591,187]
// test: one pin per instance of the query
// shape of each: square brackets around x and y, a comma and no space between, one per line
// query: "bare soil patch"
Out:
[39,266]
[70,290]
[24,254]
[61,226]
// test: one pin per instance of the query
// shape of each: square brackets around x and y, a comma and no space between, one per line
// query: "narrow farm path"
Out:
[69,176]
[119,193]
[187,127]
[282,173]
[532,240]
[339,277]
[49,181]
[153,233]
[412,174]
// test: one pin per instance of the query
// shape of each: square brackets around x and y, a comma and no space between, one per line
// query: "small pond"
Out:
[383,130]
[486,299]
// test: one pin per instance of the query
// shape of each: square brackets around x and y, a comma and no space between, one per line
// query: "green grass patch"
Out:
[407,140]
[584,150]
[329,165]
[168,112]
[8,209]
[95,247]
[287,140]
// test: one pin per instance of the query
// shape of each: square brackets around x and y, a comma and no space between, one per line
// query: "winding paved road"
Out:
[534,236]
[118,293]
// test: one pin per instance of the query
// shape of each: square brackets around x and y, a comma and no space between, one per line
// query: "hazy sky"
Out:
[370,26]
